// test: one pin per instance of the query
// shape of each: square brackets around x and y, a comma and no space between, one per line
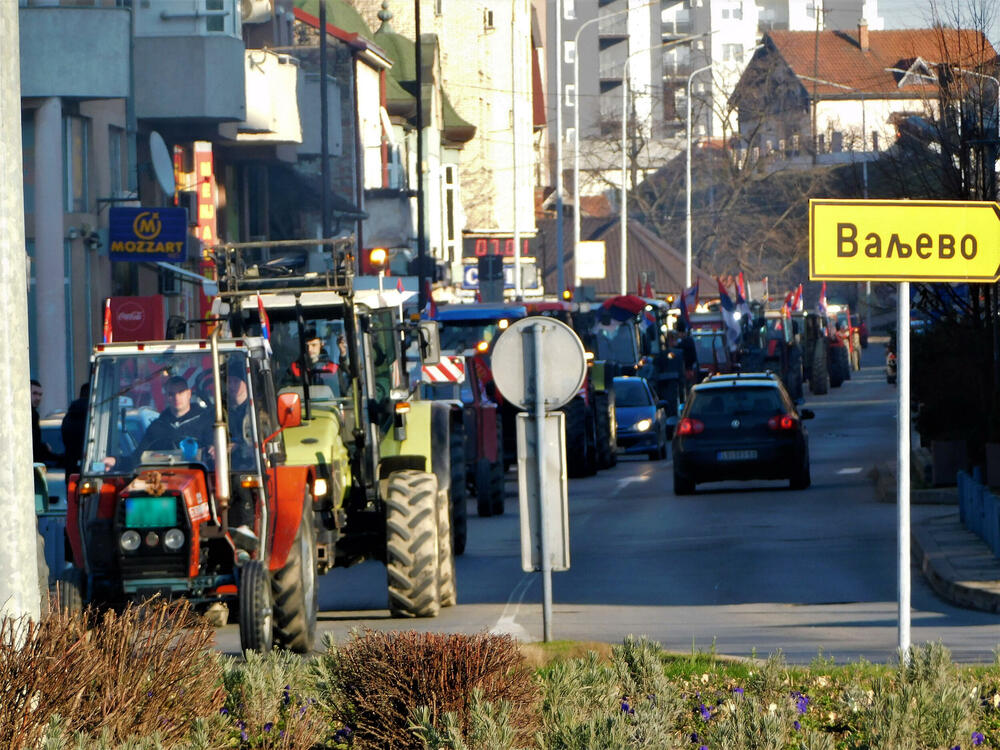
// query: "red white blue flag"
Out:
[689,301]
[265,324]
[108,332]
[728,310]
[821,305]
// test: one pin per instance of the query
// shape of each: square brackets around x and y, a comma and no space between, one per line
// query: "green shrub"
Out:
[374,683]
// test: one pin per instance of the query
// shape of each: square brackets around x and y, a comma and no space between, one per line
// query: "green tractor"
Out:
[383,456]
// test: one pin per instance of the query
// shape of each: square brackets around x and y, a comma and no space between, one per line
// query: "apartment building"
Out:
[490,67]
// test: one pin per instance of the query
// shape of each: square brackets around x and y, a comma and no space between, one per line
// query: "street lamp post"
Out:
[687,181]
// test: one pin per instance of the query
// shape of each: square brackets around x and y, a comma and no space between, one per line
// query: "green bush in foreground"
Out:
[147,679]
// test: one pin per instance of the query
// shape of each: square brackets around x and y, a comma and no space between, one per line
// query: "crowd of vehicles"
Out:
[312,425]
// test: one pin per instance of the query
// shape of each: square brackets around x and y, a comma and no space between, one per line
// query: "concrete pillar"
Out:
[19,592]
[50,270]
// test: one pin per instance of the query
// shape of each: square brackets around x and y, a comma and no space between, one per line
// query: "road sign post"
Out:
[904,241]
[539,365]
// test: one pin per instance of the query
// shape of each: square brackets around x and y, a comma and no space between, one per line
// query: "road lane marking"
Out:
[506,624]
[622,483]
[850,470]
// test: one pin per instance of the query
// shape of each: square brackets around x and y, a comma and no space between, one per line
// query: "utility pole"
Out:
[324,127]
[421,244]
[19,580]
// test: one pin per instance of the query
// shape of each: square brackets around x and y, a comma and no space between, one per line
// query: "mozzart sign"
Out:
[904,240]
[148,234]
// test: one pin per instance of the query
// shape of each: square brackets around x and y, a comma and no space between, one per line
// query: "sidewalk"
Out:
[959,566]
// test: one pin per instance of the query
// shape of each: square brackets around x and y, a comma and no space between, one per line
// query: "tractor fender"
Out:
[427,442]
[288,488]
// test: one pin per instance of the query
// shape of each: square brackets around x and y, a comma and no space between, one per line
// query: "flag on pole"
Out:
[821,305]
[765,293]
[742,304]
[689,301]
[728,310]
[648,291]
[430,307]
[265,324]
[108,332]
[797,305]
[399,285]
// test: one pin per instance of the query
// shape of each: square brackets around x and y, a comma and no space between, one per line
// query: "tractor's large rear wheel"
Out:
[819,376]
[256,613]
[459,511]
[607,440]
[446,561]
[578,458]
[412,544]
[484,488]
[294,589]
[498,471]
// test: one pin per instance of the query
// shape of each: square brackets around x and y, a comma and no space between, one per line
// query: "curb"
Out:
[977,585]
[884,476]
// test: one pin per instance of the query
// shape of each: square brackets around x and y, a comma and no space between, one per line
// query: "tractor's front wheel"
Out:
[411,560]
[256,615]
[294,588]
[446,561]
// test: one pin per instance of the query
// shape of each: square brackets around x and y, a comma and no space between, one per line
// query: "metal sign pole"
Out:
[536,330]
[903,463]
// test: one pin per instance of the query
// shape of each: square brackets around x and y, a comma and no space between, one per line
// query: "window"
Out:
[569,52]
[874,140]
[449,197]
[488,19]
[116,160]
[569,10]
[725,12]
[732,52]
[570,97]
[75,176]
[570,135]
[439,7]
[215,22]
[738,13]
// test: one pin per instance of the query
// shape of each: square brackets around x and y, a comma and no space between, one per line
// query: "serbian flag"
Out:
[430,307]
[821,305]
[265,324]
[797,305]
[728,310]
[689,301]
[399,285]
[741,298]
[108,333]
[648,292]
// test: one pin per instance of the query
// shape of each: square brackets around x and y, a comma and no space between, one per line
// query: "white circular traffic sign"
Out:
[563,363]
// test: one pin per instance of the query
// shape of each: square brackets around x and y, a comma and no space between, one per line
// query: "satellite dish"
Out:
[163,165]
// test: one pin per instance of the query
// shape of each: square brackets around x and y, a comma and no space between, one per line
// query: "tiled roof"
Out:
[842,61]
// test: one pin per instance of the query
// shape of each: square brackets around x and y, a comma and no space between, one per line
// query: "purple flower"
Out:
[957,747]
[269,726]
[977,738]
[694,736]
[796,725]
[243,735]
[342,734]
[706,712]
[802,703]
[286,696]
[738,690]
[224,711]
[626,708]
[703,747]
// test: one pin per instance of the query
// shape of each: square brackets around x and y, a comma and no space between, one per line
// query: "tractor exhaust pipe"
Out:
[220,436]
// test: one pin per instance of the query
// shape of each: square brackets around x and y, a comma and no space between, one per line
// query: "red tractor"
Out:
[199,502]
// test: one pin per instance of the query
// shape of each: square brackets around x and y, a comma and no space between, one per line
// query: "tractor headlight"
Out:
[129,540]
[643,424]
[173,540]
[319,487]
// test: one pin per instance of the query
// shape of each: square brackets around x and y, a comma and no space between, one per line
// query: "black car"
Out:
[740,428]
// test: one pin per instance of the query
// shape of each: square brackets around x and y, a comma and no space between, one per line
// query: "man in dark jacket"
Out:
[181,419]
[41,452]
[73,427]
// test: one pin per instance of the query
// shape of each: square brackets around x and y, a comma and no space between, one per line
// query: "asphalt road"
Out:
[741,568]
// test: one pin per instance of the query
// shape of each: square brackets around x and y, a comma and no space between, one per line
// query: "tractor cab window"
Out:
[386,355]
[616,341]
[325,352]
[152,408]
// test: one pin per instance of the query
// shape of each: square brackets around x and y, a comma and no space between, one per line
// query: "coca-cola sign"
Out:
[137,318]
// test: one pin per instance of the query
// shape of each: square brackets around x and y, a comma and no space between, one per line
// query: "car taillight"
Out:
[689,426]
[783,422]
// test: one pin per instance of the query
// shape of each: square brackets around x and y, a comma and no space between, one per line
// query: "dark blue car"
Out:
[641,417]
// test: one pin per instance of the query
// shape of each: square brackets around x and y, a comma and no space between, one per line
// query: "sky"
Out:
[907,14]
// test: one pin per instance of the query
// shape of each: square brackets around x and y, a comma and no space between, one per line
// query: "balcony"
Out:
[189,61]
[79,52]
[615,26]
[271,99]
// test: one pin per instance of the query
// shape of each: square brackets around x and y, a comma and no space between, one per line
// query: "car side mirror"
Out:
[807,414]
[430,342]
[289,410]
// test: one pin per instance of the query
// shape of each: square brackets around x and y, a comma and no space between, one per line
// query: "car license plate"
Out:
[737,455]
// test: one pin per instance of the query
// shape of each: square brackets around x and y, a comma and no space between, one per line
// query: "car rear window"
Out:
[631,393]
[736,400]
